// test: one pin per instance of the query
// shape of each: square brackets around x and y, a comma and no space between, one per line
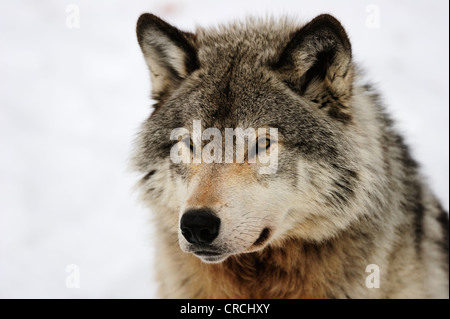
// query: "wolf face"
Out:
[298,80]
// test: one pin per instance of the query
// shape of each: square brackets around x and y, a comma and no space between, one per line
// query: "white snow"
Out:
[71,101]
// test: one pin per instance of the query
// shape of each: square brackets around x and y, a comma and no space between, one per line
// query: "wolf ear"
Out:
[317,64]
[171,54]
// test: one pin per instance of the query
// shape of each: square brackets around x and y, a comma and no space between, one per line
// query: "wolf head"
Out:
[255,74]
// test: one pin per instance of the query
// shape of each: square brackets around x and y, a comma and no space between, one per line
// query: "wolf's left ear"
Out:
[171,54]
[317,64]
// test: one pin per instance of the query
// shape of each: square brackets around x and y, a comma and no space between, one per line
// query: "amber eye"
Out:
[263,144]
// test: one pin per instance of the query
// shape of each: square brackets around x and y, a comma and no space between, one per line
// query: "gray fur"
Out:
[347,189]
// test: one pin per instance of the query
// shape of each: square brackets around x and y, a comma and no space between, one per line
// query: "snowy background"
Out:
[71,100]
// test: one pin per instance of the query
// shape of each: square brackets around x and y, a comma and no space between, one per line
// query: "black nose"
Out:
[200,226]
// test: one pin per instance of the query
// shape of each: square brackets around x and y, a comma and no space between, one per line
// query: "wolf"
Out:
[346,214]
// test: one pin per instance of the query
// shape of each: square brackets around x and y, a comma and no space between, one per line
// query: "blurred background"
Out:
[74,89]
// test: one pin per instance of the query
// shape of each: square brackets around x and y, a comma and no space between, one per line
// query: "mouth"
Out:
[213,256]
[206,253]
[210,256]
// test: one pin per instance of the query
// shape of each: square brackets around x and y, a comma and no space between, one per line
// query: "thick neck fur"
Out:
[294,270]
[275,273]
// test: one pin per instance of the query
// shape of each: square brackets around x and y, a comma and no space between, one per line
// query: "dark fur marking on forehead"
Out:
[235,60]
[226,96]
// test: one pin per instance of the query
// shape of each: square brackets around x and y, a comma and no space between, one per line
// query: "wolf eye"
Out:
[263,144]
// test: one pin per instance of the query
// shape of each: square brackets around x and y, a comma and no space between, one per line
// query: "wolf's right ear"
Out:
[171,54]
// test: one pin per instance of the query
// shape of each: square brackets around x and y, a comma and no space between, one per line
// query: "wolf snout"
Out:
[200,226]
